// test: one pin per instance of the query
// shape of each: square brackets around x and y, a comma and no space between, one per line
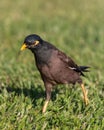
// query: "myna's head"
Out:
[31,42]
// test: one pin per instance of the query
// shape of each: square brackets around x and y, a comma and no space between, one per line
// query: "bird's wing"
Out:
[71,64]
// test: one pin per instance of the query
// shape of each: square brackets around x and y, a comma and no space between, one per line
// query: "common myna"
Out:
[55,66]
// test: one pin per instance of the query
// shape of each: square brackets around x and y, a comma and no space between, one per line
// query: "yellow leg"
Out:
[45,106]
[84,94]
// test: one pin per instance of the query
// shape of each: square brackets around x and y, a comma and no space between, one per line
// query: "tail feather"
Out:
[82,69]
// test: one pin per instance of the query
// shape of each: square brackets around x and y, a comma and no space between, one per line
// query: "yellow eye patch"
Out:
[36,42]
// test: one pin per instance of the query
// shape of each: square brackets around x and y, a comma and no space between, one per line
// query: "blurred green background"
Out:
[76,28]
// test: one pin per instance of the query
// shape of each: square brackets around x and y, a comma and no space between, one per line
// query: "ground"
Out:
[75,27]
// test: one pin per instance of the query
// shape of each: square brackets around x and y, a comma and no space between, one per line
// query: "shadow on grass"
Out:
[33,92]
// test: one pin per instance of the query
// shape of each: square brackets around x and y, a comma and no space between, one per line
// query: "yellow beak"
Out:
[24,46]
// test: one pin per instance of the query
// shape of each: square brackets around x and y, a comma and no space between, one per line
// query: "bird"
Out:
[55,66]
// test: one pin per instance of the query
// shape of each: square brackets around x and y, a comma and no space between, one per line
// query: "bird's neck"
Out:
[42,54]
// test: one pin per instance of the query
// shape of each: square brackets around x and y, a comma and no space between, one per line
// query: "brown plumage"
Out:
[54,66]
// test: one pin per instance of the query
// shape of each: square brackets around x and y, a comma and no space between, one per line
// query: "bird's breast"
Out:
[52,68]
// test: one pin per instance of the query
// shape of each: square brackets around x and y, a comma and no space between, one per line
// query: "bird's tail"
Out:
[83,69]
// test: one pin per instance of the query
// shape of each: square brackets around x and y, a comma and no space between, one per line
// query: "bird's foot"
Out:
[45,106]
[85,94]
[86,100]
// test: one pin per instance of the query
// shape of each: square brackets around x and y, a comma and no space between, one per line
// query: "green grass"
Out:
[75,27]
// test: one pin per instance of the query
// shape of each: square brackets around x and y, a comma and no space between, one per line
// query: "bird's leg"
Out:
[84,94]
[48,96]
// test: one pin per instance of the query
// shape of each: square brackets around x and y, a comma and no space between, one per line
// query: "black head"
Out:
[31,42]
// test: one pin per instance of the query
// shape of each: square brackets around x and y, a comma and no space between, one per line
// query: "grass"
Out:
[75,27]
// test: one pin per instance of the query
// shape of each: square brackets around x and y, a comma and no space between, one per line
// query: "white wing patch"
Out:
[72,68]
